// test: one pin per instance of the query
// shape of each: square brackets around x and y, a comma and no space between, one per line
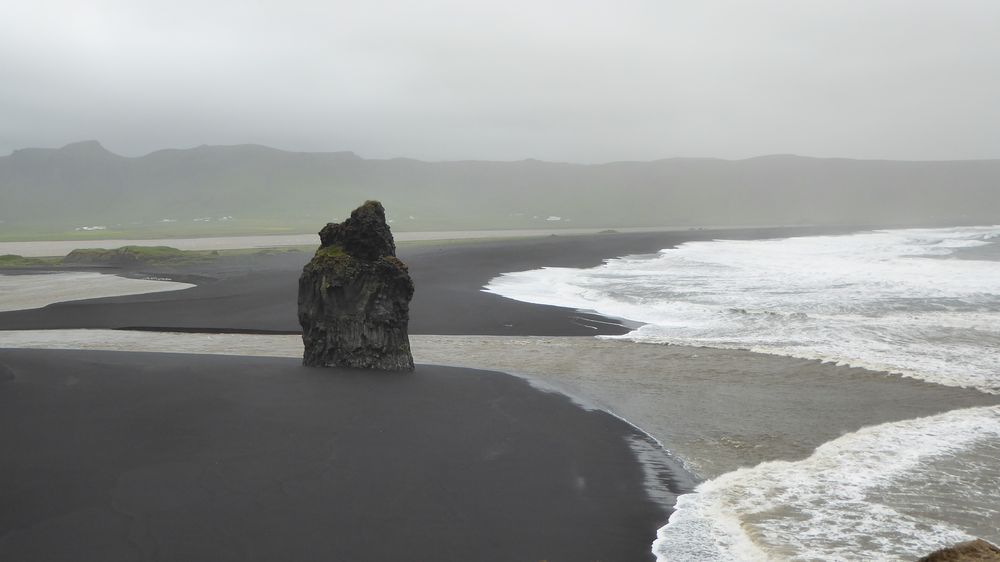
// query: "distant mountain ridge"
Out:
[84,184]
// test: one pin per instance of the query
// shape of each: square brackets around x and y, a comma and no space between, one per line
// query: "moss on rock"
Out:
[354,296]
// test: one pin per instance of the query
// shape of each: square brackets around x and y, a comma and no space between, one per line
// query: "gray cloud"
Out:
[588,81]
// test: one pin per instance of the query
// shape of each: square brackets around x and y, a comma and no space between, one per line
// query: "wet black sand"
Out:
[137,456]
[129,456]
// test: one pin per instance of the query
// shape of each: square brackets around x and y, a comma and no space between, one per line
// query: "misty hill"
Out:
[84,184]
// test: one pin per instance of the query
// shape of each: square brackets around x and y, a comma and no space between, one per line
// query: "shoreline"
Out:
[628,513]
[448,277]
[259,292]
[716,409]
[795,404]
[459,463]
[56,248]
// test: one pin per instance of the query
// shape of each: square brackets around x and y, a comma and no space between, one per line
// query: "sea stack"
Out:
[354,297]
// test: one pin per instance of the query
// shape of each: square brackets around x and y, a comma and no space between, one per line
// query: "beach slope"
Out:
[131,456]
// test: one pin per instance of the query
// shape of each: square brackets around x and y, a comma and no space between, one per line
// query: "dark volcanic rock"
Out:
[365,235]
[354,297]
[977,550]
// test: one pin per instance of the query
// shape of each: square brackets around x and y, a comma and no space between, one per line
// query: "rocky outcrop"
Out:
[971,551]
[354,297]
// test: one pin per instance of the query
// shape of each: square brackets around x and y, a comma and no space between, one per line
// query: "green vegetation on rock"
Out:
[354,296]
[333,259]
[330,252]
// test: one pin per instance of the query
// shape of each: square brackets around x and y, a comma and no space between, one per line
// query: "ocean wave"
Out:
[884,300]
[890,300]
[849,500]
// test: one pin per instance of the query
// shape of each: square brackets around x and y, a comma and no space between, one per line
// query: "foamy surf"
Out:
[852,499]
[895,300]
[887,300]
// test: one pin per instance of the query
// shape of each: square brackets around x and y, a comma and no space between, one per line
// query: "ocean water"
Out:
[921,303]
[890,491]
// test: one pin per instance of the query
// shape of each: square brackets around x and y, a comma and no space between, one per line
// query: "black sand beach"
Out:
[258,293]
[124,456]
[130,456]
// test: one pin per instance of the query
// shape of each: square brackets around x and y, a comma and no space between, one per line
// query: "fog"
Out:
[585,81]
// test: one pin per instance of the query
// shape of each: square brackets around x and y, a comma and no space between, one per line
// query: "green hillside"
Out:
[254,189]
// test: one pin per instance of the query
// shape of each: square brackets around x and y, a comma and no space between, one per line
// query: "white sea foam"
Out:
[21,292]
[893,300]
[887,300]
[848,500]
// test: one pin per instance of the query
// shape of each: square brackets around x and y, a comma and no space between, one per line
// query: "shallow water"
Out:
[20,292]
[924,303]
[717,411]
[789,470]
[883,300]
[895,491]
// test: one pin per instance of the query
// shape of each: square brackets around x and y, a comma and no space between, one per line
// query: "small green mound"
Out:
[14,260]
[132,255]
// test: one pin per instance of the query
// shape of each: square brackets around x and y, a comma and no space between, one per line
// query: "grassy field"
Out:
[15,261]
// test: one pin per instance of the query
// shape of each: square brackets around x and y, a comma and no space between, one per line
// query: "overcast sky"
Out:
[581,80]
